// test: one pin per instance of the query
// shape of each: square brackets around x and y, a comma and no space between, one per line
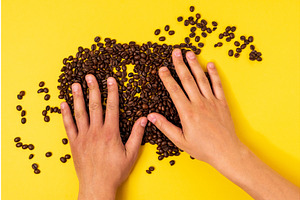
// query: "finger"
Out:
[69,124]
[173,132]
[180,100]
[112,107]
[185,76]
[95,106]
[81,116]
[199,75]
[134,141]
[216,81]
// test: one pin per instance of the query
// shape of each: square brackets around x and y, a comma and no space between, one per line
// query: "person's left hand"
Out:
[101,160]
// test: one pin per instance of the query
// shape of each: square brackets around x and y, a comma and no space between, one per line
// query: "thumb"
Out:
[173,132]
[134,141]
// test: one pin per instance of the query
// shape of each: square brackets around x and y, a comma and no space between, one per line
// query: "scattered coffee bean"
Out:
[40,90]
[192,8]
[200,44]
[228,39]
[31,156]
[167,28]
[24,146]
[162,38]
[198,16]
[48,154]
[171,32]
[252,47]
[46,90]
[233,28]
[148,171]
[63,159]
[236,43]
[230,52]
[242,38]
[17,139]
[97,39]
[187,40]
[219,44]
[243,46]
[46,118]
[221,36]
[19,97]
[19,108]
[22,93]
[67,156]
[23,113]
[179,19]
[192,157]
[250,39]
[47,97]
[37,171]
[41,84]
[23,120]
[236,55]
[157,32]
[172,162]
[239,50]
[34,166]
[151,168]
[214,23]
[65,141]
[204,34]
[44,113]
[30,146]
[19,144]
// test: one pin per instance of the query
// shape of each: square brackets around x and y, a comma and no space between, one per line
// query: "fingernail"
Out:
[152,119]
[74,87]
[190,55]
[62,106]
[211,65]
[144,122]
[110,81]
[88,79]
[163,69]
[177,53]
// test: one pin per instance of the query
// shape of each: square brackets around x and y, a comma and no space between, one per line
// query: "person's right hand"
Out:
[207,128]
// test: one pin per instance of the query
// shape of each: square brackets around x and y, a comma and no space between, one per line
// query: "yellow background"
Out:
[263,97]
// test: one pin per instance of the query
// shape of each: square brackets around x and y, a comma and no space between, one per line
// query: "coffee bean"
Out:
[259,59]
[23,120]
[233,28]
[198,16]
[151,168]
[204,34]
[167,28]
[230,52]
[228,39]
[231,35]
[214,23]
[160,157]
[236,55]
[192,8]
[40,90]
[97,39]
[22,93]
[46,118]
[148,171]
[30,146]
[193,29]
[44,113]
[23,113]
[37,171]
[236,43]
[63,159]
[41,84]
[243,46]
[67,156]
[192,35]
[197,38]
[221,36]
[172,162]
[200,45]
[157,32]
[187,40]
[34,166]
[250,39]
[17,139]
[192,157]
[179,19]
[19,97]
[48,154]
[220,44]
[19,108]
[186,22]
[55,109]
[162,38]
[19,144]
[31,156]
[239,50]
[65,141]
[252,47]
[228,28]
[47,97]
[171,32]
[46,90]
[242,37]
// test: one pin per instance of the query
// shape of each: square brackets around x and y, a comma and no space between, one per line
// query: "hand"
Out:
[101,160]
[207,128]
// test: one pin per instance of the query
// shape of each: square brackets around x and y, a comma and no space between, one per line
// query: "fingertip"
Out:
[152,118]
[110,81]
[75,87]
[210,65]
[89,78]
[63,105]
[143,122]
[191,55]
[177,52]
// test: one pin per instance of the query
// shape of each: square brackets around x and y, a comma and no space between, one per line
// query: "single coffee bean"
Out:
[209,30]
[197,38]
[37,171]
[192,35]
[214,23]
[151,168]
[160,157]
[252,47]
[230,52]
[44,113]
[192,157]
[19,108]
[228,28]
[67,156]
[19,97]
[250,39]
[186,22]
[40,90]
[23,120]
[51,110]
[193,29]
[17,139]
[172,162]
[22,93]
[236,55]
[97,39]
[24,146]
[41,84]
[221,36]
[162,38]
[236,43]
[55,109]
[228,39]
[63,159]
[167,28]
[179,19]
[200,44]
[46,90]
[171,32]
[47,97]
[23,113]
[242,37]
[65,141]
[239,50]
[30,146]
[157,32]
[187,40]
[148,171]
[31,156]
[198,16]
[231,35]
[243,46]
[34,166]
[204,34]
[233,28]
[259,59]
[214,28]
[48,154]
[19,144]
[192,8]
[46,118]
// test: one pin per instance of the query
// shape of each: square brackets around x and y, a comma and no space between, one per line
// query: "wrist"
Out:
[96,192]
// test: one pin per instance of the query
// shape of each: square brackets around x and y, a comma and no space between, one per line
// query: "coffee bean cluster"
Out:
[19,144]
[44,90]
[23,113]
[21,95]
[36,169]
[166,29]
[65,158]
[150,170]
[51,110]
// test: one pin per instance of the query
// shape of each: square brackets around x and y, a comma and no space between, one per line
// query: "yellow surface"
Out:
[263,97]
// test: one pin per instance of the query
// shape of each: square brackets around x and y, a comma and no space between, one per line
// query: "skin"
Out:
[102,162]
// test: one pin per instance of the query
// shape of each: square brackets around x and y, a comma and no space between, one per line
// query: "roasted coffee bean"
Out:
[148,171]
[214,23]
[192,8]
[24,146]
[179,19]
[233,28]
[19,97]
[250,39]
[187,40]
[23,113]
[192,157]
[252,47]
[46,90]
[221,36]
[162,38]
[157,32]
[51,110]
[63,159]
[151,168]
[48,154]
[55,109]
[239,50]
[65,141]
[197,38]
[23,120]
[19,144]
[40,90]
[19,108]
[193,29]
[160,157]
[204,34]
[228,28]
[192,35]
[236,43]
[47,97]
[172,162]
[236,55]
[171,32]
[219,44]
[198,16]
[259,59]
[200,44]
[209,30]
[22,93]
[17,139]
[34,166]
[42,84]
[242,38]
[230,52]
[46,118]
[167,28]
[228,39]
[243,46]
[37,171]
[30,146]
[97,39]
[231,35]
[186,22]
[67,156]
[31,156]
[44,113]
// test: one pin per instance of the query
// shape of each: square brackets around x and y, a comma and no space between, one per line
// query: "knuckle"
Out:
[203,79]
[94,105]
[187,78]
[111,106]
[173,88]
